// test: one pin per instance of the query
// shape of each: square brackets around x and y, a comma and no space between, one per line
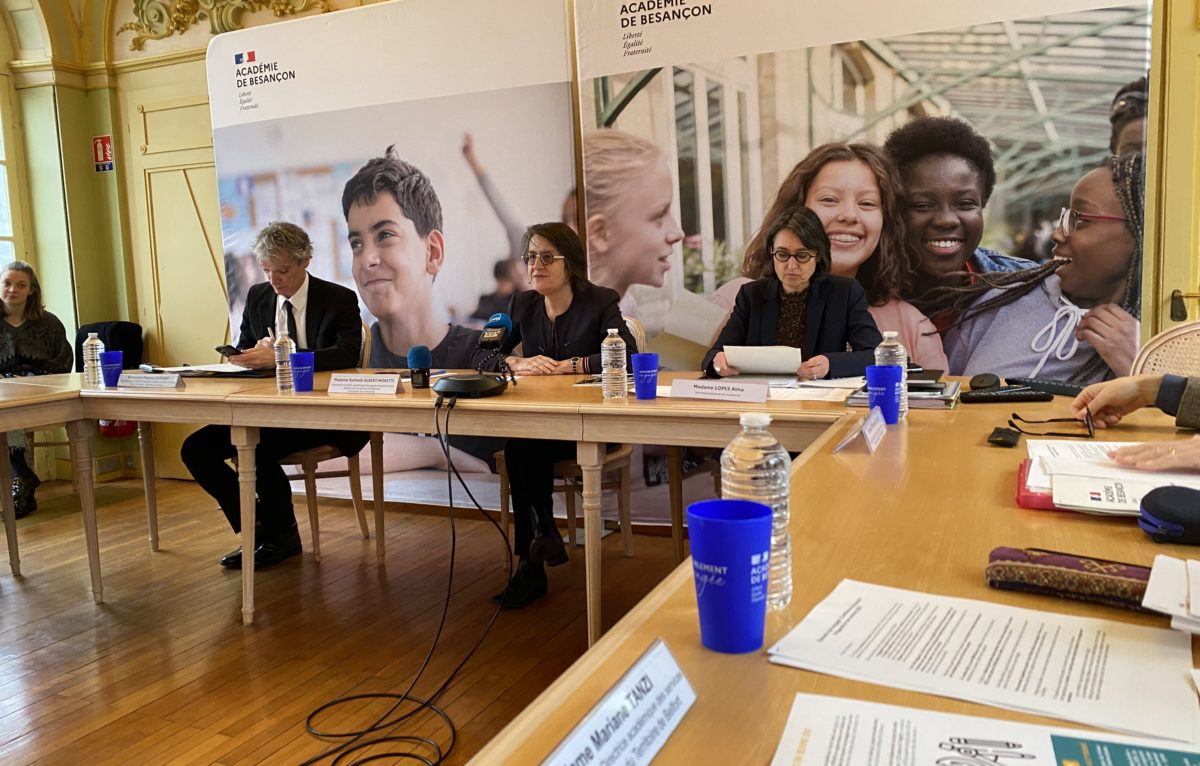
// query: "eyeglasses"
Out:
[1087,424]
[1068,219]
[545,257]
[801,256]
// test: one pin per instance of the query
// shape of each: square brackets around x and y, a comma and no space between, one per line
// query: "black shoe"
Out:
[548,549]
[24,501]
[233,559]
[527,585]
[270,554]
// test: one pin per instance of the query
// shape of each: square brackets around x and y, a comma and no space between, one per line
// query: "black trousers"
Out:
[205,452]
[530,464]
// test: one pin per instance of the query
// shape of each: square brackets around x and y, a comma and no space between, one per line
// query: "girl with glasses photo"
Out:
[1076,317]
[797,302]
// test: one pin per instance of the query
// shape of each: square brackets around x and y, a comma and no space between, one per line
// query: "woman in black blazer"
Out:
[560,325]
[798,303]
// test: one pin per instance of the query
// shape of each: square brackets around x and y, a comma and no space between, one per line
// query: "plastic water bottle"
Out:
[892,353]
[92,348]
[284,346]
[612,360]
[755,466]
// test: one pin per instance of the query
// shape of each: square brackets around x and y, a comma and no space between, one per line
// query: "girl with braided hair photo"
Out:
[1075,318]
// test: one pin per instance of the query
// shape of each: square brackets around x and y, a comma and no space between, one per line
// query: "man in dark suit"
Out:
[319,316]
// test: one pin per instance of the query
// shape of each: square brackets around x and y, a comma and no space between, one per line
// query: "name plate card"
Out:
[634,719]
[725,390]
[871,429]
[157,380]
[384,384]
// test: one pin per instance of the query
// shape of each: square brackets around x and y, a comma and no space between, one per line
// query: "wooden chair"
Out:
[1175,351]
[308,459]
[568,476]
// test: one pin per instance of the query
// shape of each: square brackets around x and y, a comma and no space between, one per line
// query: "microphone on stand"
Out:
[419,362]
[498,327]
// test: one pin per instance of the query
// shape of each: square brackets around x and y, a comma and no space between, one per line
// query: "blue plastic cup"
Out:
[111,363]
[883,391]
[731,550]
[645,376]
[302,370]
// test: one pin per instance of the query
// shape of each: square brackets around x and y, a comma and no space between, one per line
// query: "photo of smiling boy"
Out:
[394,223]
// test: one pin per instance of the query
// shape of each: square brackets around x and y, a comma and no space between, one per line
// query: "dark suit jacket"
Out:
[837,318]
[579,331]
[331,320]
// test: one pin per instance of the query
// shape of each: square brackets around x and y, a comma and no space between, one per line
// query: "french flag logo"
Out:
[1095,496]
[243,58]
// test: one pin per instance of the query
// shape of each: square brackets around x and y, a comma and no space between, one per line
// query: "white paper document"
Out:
[772,360]
[1096,453]
[832,731]
[196,369]
[1073,668]
[1107,497]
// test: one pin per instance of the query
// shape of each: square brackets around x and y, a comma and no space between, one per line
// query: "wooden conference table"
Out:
[537,408]
[922,513]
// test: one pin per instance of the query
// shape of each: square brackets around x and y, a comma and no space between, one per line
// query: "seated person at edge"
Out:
[394,225]
[32,342]
[319,316]
[797,302]
[560,325]
[1175,395]
[948,175]
[1074,318]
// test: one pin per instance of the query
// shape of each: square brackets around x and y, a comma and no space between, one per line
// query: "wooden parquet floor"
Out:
[164,672]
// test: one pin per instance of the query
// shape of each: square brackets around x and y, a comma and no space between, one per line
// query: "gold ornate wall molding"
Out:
[159,19]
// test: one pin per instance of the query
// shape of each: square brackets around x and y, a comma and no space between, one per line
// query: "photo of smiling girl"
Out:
[855,191]
[948,176]
[1076,317]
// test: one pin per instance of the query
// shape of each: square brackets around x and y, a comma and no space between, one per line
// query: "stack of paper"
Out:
[1174,589]
[1081,477]
[1119,676]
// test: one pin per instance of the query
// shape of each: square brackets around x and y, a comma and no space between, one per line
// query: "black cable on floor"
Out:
[359,740]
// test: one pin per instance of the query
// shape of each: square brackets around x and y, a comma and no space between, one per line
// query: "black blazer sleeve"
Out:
[861,335]
[253,327]
[608,307]
[336,339]
[735,330]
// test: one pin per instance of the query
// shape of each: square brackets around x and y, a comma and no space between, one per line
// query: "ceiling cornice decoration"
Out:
[159,19]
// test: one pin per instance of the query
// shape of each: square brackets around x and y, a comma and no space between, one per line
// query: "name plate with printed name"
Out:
[157,380]
[384,384]
[725,390]
[871,429]
[632,722]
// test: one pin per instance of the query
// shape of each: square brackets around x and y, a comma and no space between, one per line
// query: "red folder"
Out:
[1041,501]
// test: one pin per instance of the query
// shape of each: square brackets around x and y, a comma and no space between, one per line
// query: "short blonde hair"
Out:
[613,162]
[280,240]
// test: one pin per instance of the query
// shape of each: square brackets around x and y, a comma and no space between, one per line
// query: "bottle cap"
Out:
[93,335]
[613,331]
[889,334]
[755,419]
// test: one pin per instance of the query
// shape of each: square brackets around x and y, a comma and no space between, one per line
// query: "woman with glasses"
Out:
[1076,317]
[559,325]
[797,302]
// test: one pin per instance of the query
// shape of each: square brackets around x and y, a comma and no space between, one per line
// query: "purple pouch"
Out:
[1051,573]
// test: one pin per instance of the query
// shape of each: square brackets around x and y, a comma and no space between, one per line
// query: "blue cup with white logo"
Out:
[883,391]
[731,551]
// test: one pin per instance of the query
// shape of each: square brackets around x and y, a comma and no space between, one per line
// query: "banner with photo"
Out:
[474,101]
[956,154]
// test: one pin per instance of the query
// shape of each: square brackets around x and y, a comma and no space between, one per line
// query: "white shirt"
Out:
[299,304]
